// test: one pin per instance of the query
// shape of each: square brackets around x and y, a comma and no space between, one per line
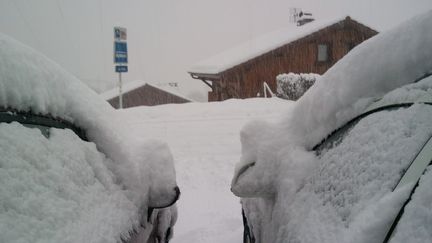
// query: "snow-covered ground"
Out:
[204,139]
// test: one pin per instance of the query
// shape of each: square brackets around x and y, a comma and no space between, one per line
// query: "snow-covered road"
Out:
[204,139]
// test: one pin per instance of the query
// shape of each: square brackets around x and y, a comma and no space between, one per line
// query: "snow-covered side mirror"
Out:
[163,190]
[265,154]
[254,175]
[150,176]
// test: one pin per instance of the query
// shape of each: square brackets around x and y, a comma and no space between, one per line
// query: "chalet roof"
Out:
[132,85]
[259,46]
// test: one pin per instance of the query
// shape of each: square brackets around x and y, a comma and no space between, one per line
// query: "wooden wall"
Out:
[246,80]
[147,95]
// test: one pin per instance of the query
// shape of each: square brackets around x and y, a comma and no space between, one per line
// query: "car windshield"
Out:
[359,164]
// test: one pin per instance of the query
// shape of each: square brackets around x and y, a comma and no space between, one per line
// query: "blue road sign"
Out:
[120,52]
[120,34]
[116,34]
[121,69]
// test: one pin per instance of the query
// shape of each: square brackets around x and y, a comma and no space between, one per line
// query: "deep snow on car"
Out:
[67,172]
[345,166]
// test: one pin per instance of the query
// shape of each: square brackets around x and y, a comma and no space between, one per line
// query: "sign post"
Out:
[120,57]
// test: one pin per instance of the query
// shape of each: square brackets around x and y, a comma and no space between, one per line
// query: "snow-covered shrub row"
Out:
[291,194]
[30,81]
[292,86]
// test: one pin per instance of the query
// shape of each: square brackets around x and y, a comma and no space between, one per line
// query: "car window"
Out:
[338,135]
[370,159]
[358,165]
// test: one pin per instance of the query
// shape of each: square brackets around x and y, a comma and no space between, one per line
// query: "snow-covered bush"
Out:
[292,86]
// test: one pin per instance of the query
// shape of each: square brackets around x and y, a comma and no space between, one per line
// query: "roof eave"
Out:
[206,78]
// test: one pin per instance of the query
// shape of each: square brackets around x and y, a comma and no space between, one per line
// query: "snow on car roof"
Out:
[31,81]
[258,46]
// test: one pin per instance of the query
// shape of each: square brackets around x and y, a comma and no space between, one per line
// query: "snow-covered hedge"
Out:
[292,86]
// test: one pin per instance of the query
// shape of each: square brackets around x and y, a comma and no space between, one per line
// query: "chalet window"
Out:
[323,51]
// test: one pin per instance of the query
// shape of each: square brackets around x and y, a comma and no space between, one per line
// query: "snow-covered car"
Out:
[67,171]
[350,162]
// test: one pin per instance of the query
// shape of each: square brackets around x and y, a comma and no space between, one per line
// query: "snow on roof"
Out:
[114,92]
[258,46]
[132,85]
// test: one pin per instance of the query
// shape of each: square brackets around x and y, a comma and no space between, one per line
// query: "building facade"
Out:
[314,51]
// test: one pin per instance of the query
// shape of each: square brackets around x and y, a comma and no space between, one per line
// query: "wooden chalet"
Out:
[139,93]
[310,48]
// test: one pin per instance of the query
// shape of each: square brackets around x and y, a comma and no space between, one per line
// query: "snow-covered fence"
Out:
[292,86]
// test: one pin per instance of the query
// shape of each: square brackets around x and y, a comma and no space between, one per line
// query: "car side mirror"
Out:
[252,177]
[163,190]
[247,183]
[267,160]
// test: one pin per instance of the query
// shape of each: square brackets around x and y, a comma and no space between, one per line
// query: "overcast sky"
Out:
[165,37]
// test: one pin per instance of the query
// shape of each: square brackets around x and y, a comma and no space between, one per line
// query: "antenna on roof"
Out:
[296,15]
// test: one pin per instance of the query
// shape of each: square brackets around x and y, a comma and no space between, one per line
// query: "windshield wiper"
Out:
[42,122]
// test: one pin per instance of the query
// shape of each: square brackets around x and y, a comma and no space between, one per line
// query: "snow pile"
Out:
[31,82]
[293,195]
[292,86]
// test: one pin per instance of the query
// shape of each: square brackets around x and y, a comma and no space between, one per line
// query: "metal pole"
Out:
[121,93]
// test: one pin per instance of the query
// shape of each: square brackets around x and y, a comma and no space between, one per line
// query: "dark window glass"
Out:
[322,52]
